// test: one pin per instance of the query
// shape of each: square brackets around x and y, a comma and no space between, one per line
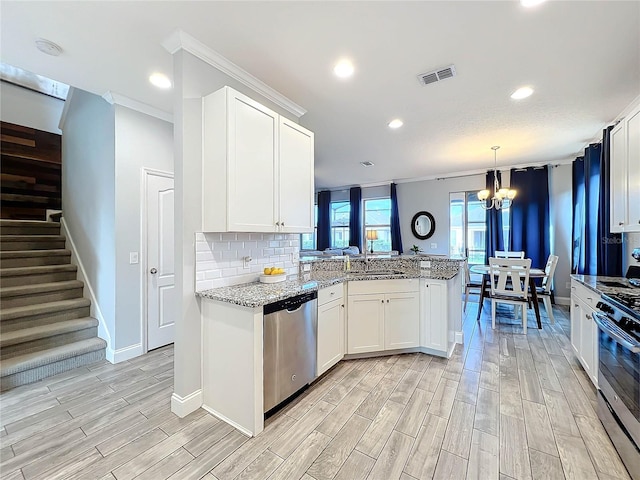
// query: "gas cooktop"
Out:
[628,300]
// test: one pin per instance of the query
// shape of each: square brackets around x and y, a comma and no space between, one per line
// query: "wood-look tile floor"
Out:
[505,406]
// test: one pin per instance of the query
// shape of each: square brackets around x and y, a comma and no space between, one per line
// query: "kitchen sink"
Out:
[382,272]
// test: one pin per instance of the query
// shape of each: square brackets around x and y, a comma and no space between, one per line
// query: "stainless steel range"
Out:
[618,323]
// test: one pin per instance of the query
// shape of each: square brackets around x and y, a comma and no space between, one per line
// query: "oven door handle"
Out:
[622,341]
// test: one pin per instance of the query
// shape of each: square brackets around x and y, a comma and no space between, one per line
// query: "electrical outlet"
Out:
[245,261]
[133,258]
[434,245]
[306,267]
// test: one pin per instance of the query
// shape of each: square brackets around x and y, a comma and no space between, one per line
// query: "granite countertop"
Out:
[617,289]
[257,294]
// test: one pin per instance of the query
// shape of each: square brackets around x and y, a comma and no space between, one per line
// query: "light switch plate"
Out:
[133,258]
[434,245]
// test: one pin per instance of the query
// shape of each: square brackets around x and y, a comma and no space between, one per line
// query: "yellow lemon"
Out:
[267,271]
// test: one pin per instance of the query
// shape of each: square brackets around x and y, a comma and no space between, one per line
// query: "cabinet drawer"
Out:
[327,294]
[383,286]
[585,294]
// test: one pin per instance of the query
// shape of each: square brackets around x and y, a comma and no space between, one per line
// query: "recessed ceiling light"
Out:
[530,3]
[160,80]
[395,123]
[48,47]
[343,69]
[522,92]
[367,164]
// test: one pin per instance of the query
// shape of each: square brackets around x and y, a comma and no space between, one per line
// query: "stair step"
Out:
[32,258]
[43,337]
[11,277]
[45,313]
[31,242]
[34,366]
[28,227]
[31,294]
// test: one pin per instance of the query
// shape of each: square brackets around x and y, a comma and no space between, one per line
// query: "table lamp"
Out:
[371,236]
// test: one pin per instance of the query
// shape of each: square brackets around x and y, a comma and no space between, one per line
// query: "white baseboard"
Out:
[122,354]
[183,406]
[563,300]
[87,291]
[226,420]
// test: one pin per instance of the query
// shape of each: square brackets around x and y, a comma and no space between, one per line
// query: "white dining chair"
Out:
[544,292]
[510,284]
[508,254]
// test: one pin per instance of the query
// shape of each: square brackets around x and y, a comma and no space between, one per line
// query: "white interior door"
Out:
[160,265]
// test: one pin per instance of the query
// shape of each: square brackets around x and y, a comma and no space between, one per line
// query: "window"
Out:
[468,227]
[339,219]
[377,216]
[308,240]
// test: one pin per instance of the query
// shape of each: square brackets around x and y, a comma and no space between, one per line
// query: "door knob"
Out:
[153,271]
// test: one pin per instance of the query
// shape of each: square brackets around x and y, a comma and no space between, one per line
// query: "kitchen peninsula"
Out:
[378,306]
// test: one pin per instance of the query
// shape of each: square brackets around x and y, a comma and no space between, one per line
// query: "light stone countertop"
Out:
[257,294]
[613,288]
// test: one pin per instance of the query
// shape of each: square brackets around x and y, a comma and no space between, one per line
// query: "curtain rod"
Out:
[555,165]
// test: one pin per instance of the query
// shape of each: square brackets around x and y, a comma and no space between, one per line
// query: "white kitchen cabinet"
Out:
[383,315]
[401,320]
[251,156]
[365,323]
[440,315]
[295,201]
[584,331]
[331,328]
[625,174]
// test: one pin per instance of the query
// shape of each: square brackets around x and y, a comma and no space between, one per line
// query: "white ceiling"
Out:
[582,58]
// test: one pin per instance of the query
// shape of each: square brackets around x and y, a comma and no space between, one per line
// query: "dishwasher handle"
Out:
[290,304]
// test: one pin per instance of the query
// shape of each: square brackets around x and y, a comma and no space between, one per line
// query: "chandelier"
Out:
[502,197]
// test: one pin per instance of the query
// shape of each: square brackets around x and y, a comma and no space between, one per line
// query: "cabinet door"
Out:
[401,321]
[618,182]
[587,333]
[365,327]
[330,335]
[252,130]
[633,171]
[576,322]
[295,178]
[434,321]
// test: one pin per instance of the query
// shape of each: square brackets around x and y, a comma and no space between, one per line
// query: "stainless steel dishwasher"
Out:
[290,345]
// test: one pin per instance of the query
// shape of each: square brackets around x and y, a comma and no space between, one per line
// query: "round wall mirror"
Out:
[423,225]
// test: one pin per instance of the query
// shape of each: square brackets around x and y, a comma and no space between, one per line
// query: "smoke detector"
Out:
[437,75]
[48,47]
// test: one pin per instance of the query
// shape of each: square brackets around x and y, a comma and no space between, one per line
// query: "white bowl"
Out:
[280,277]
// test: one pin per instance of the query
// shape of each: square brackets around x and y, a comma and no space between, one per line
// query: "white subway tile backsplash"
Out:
[219,256]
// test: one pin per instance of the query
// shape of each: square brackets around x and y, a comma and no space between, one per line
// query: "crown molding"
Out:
[116,98]
[65,108]
[180,40]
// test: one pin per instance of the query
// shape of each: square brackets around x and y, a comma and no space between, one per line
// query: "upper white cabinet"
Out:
[257,168]
[625,174]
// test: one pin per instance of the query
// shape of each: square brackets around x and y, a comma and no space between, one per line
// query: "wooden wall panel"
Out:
[30,172]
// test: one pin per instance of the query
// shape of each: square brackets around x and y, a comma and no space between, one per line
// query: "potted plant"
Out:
[416,249]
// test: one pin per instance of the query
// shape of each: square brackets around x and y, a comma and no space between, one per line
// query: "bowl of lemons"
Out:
[273,275]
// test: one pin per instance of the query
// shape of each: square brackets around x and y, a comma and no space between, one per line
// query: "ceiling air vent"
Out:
[437,75]
[366,164]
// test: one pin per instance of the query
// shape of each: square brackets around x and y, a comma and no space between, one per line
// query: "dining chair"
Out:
[544,292]
[509,279]
[469,285]
[508,254]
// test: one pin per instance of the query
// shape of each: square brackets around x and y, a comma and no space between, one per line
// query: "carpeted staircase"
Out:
[45,327]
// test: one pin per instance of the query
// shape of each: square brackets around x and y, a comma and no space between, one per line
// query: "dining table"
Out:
[533,274]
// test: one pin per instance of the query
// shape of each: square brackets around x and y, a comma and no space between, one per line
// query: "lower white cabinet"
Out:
[383,315]
[584,331]
[440,314]
[330,328]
